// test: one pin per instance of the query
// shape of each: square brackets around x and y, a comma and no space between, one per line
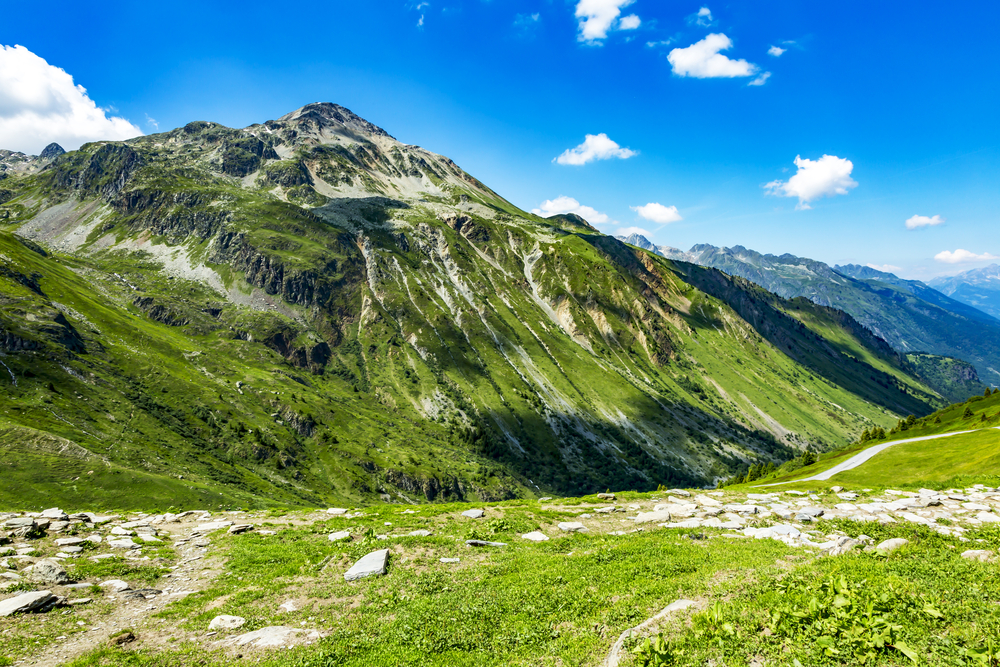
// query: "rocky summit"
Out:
[307,309]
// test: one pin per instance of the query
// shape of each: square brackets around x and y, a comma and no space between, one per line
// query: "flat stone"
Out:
[26,603]
[275,637]
[69,541]
[20,522]
[813,511]
[836,489]
[240,528]
[372,564]
[287,607]
[702,499]
[54,514]
[474,514]
[79,601]
[419,533]
[652,517]
[572,527]
[115,585]
[484,543]
[451,560]
[72,550]
[227,622]
[336,511]
[340,536]
[544,499]
[680,492]
[891,545]
[122,544]
[118,530]
[535,536]
[213,525]
[981,555]
[988,517]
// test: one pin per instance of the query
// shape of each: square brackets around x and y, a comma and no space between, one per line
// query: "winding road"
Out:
[866,455]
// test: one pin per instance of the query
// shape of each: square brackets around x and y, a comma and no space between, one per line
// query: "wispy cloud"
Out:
[596,18]
[961,256]
[828,176]
[775,51]
[702,17]
[628,231]
[918,221]
[594,147]
[151,121]
[563,204]
[884,268]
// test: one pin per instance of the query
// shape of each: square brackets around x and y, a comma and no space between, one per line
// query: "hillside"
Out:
[307,310]
[979,288]
[907,314]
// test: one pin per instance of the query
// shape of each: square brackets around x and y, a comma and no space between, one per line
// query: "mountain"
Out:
[307,310]
[909,315]
[979,288]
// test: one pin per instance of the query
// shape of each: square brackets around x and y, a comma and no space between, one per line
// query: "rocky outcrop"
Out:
[159,312]
[51,151]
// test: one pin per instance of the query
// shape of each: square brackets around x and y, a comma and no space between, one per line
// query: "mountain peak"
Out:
[53,150]
[324,114]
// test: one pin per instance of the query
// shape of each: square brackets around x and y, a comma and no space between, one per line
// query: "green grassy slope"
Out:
[211,309]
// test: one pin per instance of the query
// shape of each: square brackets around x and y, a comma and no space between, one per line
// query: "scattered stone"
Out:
[142,594]
[606,496]
[652,517]
[704,500]
[275,637]
[54,514]
[981,555]
[572,527]
[420,533]
[227,622]
[69,541]
[340,536]
[78,602]
[484,543]
[814,512]
[126,637]
[836,489]
[214,525]
[474,514]
[287,607]
[239,528]
[115,585]
[372,564]
[336,511]
[535,536]
[451,560]
[27,603]
[544,499]
[891,545]
[123,544]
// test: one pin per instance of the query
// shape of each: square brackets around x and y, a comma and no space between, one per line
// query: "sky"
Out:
[847,132]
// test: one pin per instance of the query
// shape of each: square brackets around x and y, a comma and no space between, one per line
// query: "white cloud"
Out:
[702,60]
[825,177]
[775,51]
[152,121]
[598,17]
[563,204]
[963,257]
[665,42]
[918,221]
[658,213]
[884,268]
[39,104]
[702,17]
[595,147]
[628,231]
[760,80]
[630,22]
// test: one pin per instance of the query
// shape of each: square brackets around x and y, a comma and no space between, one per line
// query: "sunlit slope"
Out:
[397,328]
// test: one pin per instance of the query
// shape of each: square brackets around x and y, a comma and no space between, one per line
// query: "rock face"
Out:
[51,151]
[373,564]
[27,603]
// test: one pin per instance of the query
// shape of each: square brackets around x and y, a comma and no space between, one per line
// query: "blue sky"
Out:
[902,98]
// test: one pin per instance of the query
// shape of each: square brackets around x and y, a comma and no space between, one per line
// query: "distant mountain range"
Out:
[978,287]
[911,316]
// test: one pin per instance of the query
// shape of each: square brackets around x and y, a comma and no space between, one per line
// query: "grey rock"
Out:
[535,536]
[27,603]
[79,601]
[660,516]
[69,541]
[240,528]
[126,543]
[605,496]
[275,637]
[340,536]
[115,585]
[420,533]
[474,514]
[813,511]
[336,511]
[55,514]
[982,555]
[451,560]
[372,564]
[227,622]
[572,527]
[484,543]
[891,545]
[804,518]
[47,572]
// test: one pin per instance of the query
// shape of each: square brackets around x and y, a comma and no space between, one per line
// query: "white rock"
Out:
[275,637]
[704,500]
[451,560]
[336,511]
[227,622]
[981,555]
[474,514]
[374,563]
[69,541]
[26,602]
[572,527]
[118,530]
[288,606]
[988,517]
[122,544]
[535,536]
[214,525]
[652,517]
[115,585]
[420,533]
[891,545]
[340,536]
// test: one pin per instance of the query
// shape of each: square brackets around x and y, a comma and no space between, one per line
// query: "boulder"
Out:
[227,622]
[27,603]
[340,536]
[115,585]
[982,555]
[372,564]
[474,514]
[660,516]
[240,528]
[47,572]
[605,496]
[891,545]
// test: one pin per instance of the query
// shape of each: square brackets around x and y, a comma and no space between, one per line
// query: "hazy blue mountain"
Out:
[979,288]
